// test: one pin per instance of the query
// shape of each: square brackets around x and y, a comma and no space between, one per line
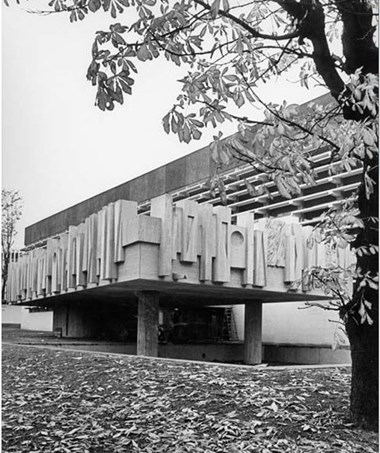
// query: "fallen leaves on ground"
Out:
[65,402]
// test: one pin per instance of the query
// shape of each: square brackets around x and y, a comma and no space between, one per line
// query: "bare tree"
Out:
[11,204]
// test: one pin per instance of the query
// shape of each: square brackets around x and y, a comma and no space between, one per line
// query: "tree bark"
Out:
[364,376]
[364,336]
[359,48]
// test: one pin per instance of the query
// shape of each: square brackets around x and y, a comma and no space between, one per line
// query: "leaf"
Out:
[281,187]
[125,86]
[274,407]
[239,100]
[215,6]
[143,53]
[94,5]
[226,5]
[197,134]
[165,122]
[369,137]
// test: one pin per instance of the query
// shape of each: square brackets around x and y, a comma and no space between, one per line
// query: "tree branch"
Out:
[359,48]
[311,19]
[311,23]
[254,33]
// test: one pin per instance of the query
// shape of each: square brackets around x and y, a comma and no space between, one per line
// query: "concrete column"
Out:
[252,333]
[147,324]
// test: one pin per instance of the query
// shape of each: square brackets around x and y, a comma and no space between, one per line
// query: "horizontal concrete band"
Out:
[192,168]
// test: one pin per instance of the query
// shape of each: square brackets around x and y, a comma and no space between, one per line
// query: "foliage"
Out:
[337,228]
[11,205]
[61,401]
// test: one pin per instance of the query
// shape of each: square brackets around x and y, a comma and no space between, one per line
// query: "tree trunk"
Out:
[4,274]
[364,379]
[363,333]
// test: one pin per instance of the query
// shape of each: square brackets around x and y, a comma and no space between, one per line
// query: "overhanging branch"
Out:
[252,31]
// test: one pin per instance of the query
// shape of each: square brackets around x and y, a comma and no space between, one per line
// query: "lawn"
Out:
[62,401]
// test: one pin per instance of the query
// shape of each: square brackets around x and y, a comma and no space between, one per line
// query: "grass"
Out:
[62,401]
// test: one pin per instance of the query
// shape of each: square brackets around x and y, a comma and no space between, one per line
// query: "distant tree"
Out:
[11,205]
[229,47]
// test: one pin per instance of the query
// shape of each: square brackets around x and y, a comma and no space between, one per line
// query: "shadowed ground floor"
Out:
[222,351]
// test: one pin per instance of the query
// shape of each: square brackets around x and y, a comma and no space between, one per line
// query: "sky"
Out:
[58,149]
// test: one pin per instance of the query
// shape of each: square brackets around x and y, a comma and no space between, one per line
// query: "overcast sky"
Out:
[57,148]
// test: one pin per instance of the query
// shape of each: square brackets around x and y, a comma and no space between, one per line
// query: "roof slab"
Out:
[173,294]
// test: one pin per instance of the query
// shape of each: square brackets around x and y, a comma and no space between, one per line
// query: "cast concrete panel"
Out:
[156,183]
[176,174]
[139,188]
[198,166]
[74,215]
[170,177]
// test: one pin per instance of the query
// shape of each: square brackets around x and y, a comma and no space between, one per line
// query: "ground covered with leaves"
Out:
[62,401]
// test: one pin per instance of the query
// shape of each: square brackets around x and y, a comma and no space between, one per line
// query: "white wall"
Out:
[10,314]
[13,314]
[41,320]
[286,323]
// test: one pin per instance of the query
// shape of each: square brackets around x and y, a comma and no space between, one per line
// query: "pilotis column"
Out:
[252,333]
[147,325]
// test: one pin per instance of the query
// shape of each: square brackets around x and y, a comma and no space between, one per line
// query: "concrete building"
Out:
[157,253]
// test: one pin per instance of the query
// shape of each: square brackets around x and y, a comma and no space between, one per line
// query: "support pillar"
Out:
[147,324]
[252,333]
